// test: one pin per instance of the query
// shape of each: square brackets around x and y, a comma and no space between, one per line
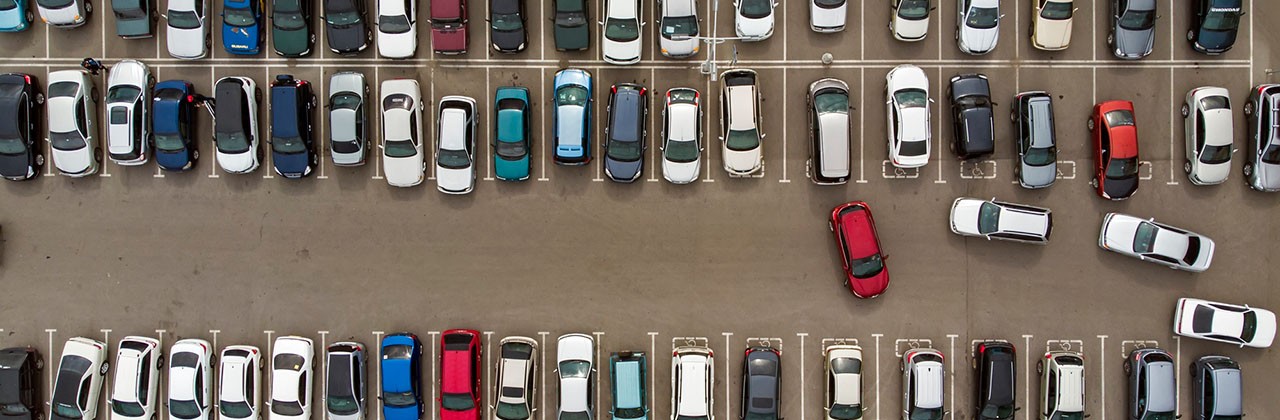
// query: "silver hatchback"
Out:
[348,132]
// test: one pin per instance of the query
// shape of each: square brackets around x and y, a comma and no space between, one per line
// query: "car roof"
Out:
[627,379]
[284,110]
[693,392]
[856,224]
[1161,395]
[835,128]
[230,93]
[446,9]
[453,128]
[1023,221]
[1170,243]
[457,369]
[628,115]
[683,121]
[1227,392]
[928,384]
[1070,396]
[623,8]
[1040,113]
[742,106]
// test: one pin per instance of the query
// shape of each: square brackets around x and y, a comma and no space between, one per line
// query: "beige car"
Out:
[1051,29]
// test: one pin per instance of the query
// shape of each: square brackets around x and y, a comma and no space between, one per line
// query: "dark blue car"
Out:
[1214,25]
[242,26]
[293,151]
[172,119]
[402,377]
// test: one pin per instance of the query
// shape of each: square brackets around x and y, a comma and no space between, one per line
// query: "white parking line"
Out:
[862,123]
[323,117]
[377,339]
[323,360]
[543,103]
[434,412]
[595,366]
[802,382]
[877,337]
[377,92]
[268,161]
[1102,364]
[1026,373]
[49,383]
[542,403]
[596,92]
[725,371]
[163,387]
[1251,44]
[1177,353]
[1094,30]
[653,127]
[937,124]
[110,379]
[706,124]
[784,114]
[103,27]
[951,358]
[430,120]
[1174,116]
[488,353]
[488,132]
[542,54]
[653,353]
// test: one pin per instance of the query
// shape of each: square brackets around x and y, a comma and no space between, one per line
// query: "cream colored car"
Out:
[1051,29]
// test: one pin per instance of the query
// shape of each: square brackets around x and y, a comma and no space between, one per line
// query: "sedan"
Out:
[973,126]
[861,256]
[187,33]
[1133,28]
[173,122]
[571,32]
[242,31]
[512,147]
[190,379]
[826,16]
[575,357]
[679,22]
[81,373]
[128,105]
[993,219]
[235,124]
[1155,242]
[1223,322]
[137,377]
[843,363]
[1262,157]
[995,377]
[346,27]
[506,26]
[15,16]
[133,18]
[910,21]
[572,115]
[978,26]
[64,13]
[761,384]
[625,133]
[402,377]
[1115,150]
[291,34]
[622,43]
[402,154]
[397,28]
[742,144]
[1051,27]
[348,128]
[20,100]
[753,19]
[907,92]
[456,145]
[240,388]
[681,136]
[73,121]
[1209,135]
[1214,25]
[291,378]
[460,375]
[515,384]
[345,381]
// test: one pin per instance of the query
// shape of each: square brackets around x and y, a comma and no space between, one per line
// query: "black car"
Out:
[761,384]
[1216,389]
[20,392]
[293,148]
[571,30]
[973,127]
[346,28]
[995,384]
[506,26]
[1214,25]
[624,144]
[20,157]
[291,34]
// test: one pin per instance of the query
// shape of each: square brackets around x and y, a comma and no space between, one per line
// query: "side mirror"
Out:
[933,8]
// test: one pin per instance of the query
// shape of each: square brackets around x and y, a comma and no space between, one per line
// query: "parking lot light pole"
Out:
[708,67]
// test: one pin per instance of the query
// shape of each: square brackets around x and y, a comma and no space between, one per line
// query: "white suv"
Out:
[993,219]
[1206,120]
[235,124]
[137,377]
[692,373]
[1061,385]
[742,141]
[922,382]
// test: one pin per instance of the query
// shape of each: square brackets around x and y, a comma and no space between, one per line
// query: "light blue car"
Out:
[572,117]
[627,382]
[14,16]
[511,157]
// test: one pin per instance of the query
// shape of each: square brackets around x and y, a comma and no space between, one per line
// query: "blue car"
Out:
[241,26]
[293,149]
[402,377]
[173,115]
[572,117]
[14,16]
[511,160]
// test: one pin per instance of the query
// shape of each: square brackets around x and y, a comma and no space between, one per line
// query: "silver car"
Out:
[64,13]
[1036,144]
[682,136]
[1153,390]
[1262,154]
[72,109]
[348,129]
[1133,28]
[1217,388]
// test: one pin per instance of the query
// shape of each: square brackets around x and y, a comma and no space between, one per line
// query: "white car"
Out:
[397,28]
[1061,385]
[515,384]
[1224,322]
[575,359]
[1148,240]
[826,16]
[622,44]
[63,13]
[993,219]
[81,373]
[456,145]
[348,125]
[978,26]
[1209,135]
[190,379]
[187,29]
[907,103]
[291,378]
[682,136]
[910,21]
[680,28]
[753,19]
[402,155]
[693,371]
[923,380]
[72,108]
[235,124]
[137,377]
[128,112]
[239,388]
[743,138]
[843,364]
[1051,28]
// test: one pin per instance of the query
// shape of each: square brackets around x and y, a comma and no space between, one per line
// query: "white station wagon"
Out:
[993,219]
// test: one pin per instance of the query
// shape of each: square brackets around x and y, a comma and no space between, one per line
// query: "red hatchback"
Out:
[1115,150]
[449,26]
[459,375]
[864,263]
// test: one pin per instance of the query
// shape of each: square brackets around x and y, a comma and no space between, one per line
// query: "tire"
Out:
[1191,35]
[40,415]
[1128,367]
[105,367]
[39,98]
[97,154]
[40,362]
[831,227]
[195,155]
[1111,40]
[902,366]
[160,362]
[40,162]
[257,94]
[1185,111]
[31,17]
[1192,366]
[1248,169]
[1013,118]
[1186,166]
[1248,108]
[1089,124]
[973,362]
[1040,366]
[1093,182]
[88,7]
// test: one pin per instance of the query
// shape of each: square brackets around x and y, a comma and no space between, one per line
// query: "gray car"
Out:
[1153,391]
[761,384]
[1036,144]
[1133,28]
[1262,156]
[348,135]
[134,18]
[625,134]
[1217,391]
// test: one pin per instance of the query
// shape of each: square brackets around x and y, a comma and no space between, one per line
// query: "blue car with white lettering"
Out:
[14,16]
[242,26]
[402,377]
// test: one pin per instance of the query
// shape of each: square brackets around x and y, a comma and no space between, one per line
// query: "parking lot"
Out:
[240,259]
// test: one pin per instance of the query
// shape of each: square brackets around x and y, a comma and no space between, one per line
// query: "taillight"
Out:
[643,90]
[613,89]
[191,98]
[27,77]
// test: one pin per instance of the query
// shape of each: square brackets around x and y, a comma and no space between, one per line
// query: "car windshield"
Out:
[399,148]
[1122,168]
[342,405]
[1250,327]
[1272,154]
[54,4]
[169,142]
[183,19]
[983,17]
[130,13]
[343,18]
[13,409]
[1041,156]
[236,409]
[511,149]
[911,98]
[1222,20]
[66,411]
[238,17]
[742,140]
[1160,416]
[286,408]
[867,266]
[288,145]
[628,413]
[621,30]
[988,218]
[508,411]
[232,143]
[66,141]
[756,9]
[571,95]
[1144,237]
[575,369]
[926,414]
[1216,154]
[1067,416]
[399,399]
[681,151]
[845,411]
[913,9]
[12,146]
[453,159]
[397,24]
[1137,20]
[127,408]
[626,151]
[569,13]
[9,5]
[1057,10]
[1119,118]
[457,402]
[831,102]
[992,411]
[913,148]
[1215,102]
[679,26]
[184,409]
[507,22]
[288,19]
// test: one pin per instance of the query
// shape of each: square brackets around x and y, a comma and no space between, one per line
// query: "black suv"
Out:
[20,157]
[1214,25]
[995,382]
[971,116]
[624,144]
[761,384]
[293,149]
[346,30]
[506,26]
[20,393]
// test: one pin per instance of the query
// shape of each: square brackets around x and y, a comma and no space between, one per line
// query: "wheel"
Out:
[195,155]
[40,415]
[1185,111]
[1191,35]
[973,362]
[1040,366]
[39,98]
[40,362]
[40,162]
[97,154]
[88,7]
[257,94]
[1186,166]
[1013,117]
[105,366]
[1093,182]
[1089,124]
[31,17]
[830,227]
[160,362]
[1111,39]
[1248,169]
[1128,367]
[1248,108]
[901,366]
[1192,365]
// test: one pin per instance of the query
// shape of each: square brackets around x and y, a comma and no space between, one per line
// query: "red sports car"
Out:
[1115,149]
[459,375]
[860,251]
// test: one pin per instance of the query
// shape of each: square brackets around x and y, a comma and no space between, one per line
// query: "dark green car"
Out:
[134,18]
[291,34]
[571,29]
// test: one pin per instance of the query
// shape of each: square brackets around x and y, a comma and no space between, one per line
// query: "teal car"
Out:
[14,16]
[627,381]
[511,157]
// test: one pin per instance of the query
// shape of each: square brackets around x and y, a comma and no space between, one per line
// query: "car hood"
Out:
[1216,40]
[13,19]
[291,42]
[186,43]
[1134,44]
[511,169]
[964,216]
[403,172]
[289,165]
[1120,188]
[454,180]
[1053,34]
[60,16]
[911,29]
[451,39]
[400,413]
[572,38]
[14,166]
[397,45]
[626,51]
[678,48]
[1212,173]
[237,163]
[1039,176]
[827,18]
[347,38]
[509,41]
[979,40]
[174,161]
[74,162]
[623,171]
[1268,176]
[681,172]
[742,162]
[754,28]
[471,414]
[133,27]
[1266,330]
[240,39]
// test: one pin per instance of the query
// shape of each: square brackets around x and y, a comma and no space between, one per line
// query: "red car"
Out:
[1115,149]
[864,263]
[449,26]
[459,375]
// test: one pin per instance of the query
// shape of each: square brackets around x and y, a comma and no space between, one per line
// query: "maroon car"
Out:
[449,26]
[864,262]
